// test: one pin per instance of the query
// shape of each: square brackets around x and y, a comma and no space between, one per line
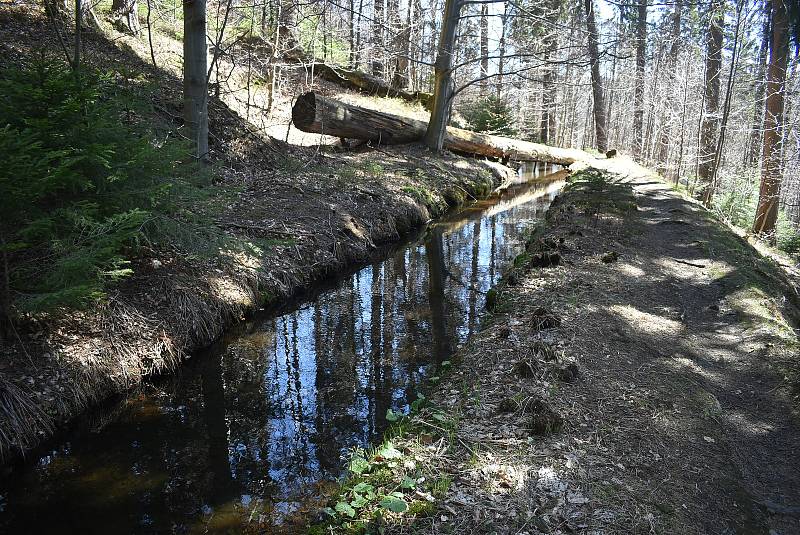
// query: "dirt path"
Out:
[683,414]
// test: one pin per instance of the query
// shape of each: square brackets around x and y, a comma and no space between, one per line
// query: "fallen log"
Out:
[321,115]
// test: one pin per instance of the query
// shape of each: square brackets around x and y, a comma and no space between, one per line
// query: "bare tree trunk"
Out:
[597,81]
[761,84]
[771,168]
[501,61]
[195,74]
[358,33]
[484,48]
[150,35]
[726,107]
[667,131]
[125,14]
[638,85]
[403,51]
[352,36]
[710,124]
[287,25]
[547,126]
[443,83]
[321,115]
[76,58]
[377,41]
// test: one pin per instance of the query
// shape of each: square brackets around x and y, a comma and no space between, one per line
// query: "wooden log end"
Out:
[304,111]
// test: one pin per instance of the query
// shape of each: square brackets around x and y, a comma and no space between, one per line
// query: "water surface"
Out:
[249,435]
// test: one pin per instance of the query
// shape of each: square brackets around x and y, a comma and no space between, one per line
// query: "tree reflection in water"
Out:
[248,432]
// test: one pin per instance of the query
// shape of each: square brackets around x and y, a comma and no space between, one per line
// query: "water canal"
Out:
[252,432]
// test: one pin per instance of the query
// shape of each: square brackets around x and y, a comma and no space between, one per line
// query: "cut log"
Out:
[321,115]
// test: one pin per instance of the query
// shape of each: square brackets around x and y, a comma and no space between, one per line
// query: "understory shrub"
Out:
[83,182]
[736,202]
[492,115]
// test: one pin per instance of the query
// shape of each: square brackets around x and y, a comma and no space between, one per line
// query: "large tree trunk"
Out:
[195,72]
[710,123]
[597,81]
[321,115]
[443,84]
[767,210]
[638,85]
[125,14]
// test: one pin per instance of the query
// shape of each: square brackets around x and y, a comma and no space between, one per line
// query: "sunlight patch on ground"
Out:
[646,322]
[630,270]
[501,478]
[693,268]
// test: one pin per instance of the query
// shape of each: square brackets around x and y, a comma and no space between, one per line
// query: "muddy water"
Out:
[251,433]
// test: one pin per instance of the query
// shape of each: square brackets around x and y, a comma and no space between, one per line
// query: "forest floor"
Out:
[646,383]
[302,213]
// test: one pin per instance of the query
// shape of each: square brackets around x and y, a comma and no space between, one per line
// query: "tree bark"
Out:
[321,115]
[710,124]
[402,52]
[125,14]
[767,209]
[597,81]
[195,75]
[547,126]
[726,108]
[353,62]
[376,59]
[287,25]
[638,86]
[443,74]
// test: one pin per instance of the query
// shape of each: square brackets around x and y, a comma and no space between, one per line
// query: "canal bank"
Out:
[638,375]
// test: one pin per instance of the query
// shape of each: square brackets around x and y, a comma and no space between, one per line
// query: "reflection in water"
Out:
[249,433]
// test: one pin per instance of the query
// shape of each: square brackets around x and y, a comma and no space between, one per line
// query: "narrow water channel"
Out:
[250,435]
